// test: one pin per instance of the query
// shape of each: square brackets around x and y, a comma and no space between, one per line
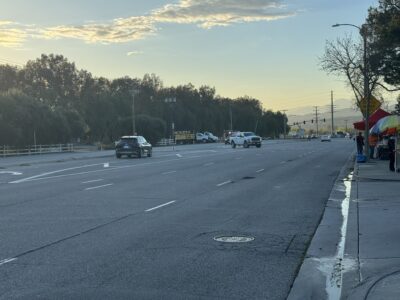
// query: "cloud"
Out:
[210,13]
[11,37]
[205,13]
[131,53]
[118,31]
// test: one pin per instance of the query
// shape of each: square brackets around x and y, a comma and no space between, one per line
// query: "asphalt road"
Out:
[107,228]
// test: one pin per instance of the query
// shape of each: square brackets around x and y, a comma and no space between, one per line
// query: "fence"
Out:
[36,150]
[166,142]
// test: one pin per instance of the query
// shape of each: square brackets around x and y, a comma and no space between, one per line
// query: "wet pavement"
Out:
[355,252]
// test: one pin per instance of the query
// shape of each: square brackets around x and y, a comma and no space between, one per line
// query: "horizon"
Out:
[266,50]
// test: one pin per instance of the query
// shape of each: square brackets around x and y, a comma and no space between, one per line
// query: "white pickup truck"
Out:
[245,139]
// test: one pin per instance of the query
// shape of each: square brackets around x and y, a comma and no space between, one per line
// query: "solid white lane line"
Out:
[106,165]
[179,155]
[94,180]
[169,172]
[44,176]
[159,206]
[208,164]
[54,172]
[223,183]
[7,260]
[259,171]
[97,187]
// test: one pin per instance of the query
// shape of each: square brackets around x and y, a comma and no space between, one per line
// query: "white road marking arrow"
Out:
[10,172]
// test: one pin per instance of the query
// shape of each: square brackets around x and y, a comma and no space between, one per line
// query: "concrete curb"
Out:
[319,262]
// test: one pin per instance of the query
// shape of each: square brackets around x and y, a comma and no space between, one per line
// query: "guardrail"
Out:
[166,142]
[36,150]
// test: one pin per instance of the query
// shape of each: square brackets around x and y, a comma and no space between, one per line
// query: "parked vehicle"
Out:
[133,146]
[325,138]
[245,139]
[184,137]
[201,138]
[210,137]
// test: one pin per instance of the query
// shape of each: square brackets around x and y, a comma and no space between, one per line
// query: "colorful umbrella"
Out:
[387,124]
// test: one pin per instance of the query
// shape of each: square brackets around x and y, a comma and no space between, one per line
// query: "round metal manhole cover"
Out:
[233,239]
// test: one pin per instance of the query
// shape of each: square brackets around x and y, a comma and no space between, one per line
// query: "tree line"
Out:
[52,101]
[381,64]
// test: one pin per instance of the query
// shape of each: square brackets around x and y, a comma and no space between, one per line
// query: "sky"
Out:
[266,49]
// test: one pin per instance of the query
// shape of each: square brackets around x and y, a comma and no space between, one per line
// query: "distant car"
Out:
[133,146]
[201,138]
[325,138]
[245,139]
[210,137]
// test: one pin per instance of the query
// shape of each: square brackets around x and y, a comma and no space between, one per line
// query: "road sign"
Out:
[374,104]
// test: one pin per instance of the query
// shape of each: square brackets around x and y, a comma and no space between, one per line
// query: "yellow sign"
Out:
[374,104]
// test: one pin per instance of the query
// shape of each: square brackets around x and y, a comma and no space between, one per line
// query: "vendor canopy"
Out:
[375,117]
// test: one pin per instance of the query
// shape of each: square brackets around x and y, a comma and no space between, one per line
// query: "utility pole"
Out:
[230,114]
[133,93]
[332,130]
[316,118]
[284,123]
[346,124]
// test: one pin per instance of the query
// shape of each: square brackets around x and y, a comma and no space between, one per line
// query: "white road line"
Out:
[54,172]
[94,180]
[259,171]
[159,206]
[44,176]
[283,162]
[208,164]
[238,158]
[10,172]
[170,172]
[223,183]
[7,260]
[106,165]
[179,155]
[97,187]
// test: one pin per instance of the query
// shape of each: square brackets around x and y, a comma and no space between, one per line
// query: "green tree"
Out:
[384,30]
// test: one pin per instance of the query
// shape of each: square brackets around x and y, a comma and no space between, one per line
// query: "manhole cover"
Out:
[234,239]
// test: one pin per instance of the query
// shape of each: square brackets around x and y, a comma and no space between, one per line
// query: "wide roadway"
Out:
[107,228]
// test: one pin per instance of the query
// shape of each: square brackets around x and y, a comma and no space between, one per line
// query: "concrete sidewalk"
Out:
[373,235]
[355,252]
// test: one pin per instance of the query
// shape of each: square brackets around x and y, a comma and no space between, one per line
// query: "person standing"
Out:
[392,149]
[360,143]
[372,141]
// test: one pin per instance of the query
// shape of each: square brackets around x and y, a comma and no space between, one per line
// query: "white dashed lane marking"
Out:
[159,206]
[98,187]
[223,183]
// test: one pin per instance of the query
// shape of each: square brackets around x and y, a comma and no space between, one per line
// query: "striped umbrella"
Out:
[389,124]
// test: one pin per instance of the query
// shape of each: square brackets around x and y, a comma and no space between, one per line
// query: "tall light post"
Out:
[284,122]
[171,100]
[363,32]
[133,94]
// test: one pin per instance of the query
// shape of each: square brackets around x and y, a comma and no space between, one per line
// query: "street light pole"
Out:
[363,32]
[284,123]
[133,93]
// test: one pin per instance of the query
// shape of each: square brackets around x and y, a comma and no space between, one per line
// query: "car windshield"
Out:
[129,140]
[249,133]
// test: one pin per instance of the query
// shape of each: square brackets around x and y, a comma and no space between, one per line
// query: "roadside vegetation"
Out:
[53,100]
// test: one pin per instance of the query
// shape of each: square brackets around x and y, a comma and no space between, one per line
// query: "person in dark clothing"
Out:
[360,143]
[392,150]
